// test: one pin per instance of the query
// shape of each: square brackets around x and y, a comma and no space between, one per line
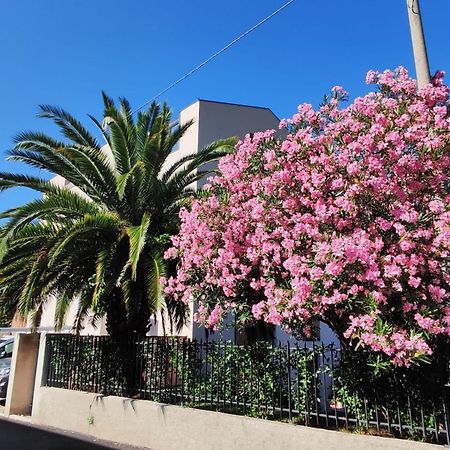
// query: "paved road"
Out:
[20,436]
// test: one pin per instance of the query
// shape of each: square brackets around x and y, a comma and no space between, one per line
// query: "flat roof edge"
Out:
[233,104]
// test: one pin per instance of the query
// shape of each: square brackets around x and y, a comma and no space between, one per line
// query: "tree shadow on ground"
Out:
[16,436]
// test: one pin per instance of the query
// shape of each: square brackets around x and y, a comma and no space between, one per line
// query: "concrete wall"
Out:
[48,318]
[19,398]
[218,120]
[161,326]
[18,321]
[167,427]
[189,142]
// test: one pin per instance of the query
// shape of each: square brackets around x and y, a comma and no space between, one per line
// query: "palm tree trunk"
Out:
[127,333]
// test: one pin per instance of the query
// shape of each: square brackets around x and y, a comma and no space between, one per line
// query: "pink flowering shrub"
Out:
[346,220]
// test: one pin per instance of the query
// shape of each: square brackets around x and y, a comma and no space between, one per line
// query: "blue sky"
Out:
[65,52]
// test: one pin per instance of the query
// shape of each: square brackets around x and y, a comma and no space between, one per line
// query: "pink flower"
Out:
[414,281]
[436,206]
[348,216]
[371,77]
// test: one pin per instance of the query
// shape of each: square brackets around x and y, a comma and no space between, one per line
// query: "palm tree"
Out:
[99,236]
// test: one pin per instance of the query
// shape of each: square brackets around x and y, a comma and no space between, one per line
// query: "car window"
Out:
[6,349]
[9,347]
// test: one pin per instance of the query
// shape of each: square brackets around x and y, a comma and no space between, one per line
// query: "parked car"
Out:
[6,349]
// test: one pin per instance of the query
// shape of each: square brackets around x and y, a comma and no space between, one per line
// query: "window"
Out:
[173,127]
[9,348]
[6,349]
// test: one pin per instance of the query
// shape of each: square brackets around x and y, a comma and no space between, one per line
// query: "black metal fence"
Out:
[299,384]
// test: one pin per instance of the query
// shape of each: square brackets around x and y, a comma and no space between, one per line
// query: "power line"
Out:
[215,55]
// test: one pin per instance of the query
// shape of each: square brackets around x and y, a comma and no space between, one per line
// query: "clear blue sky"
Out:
[65,52]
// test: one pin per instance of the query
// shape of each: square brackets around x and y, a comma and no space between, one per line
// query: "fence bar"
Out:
[49,361]
[333,387]
[377,416]
[446,418]
[307,384]
[399,415]
[422,420]
[289,384]
[366,413]
[323,366]
[315,378]
[226,371]
[205,389]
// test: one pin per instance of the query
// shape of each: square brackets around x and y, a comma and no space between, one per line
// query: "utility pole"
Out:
[418,41]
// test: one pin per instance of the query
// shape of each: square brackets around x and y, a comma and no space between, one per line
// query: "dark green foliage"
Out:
[245,379]
[412,396]
[5,320]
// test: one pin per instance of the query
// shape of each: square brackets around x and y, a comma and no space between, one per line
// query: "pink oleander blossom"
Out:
[346,220]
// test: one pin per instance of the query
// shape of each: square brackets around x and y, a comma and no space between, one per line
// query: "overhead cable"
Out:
[215,55]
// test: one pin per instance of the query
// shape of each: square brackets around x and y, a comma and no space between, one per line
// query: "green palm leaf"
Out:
[155,268]
[138,237]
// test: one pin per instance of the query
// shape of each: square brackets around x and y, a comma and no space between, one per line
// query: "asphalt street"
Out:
[15,435]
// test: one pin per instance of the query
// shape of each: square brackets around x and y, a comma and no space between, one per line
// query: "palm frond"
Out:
[101,269]
[123,179]
[155,268]
[100,224]
[12,180]
[71,128]
[138,237]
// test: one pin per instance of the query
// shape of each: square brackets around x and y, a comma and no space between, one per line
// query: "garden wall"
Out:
[168,427]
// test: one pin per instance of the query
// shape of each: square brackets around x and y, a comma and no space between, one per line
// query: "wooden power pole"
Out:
[418,41]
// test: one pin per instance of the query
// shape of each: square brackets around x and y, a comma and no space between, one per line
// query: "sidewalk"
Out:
[19,435]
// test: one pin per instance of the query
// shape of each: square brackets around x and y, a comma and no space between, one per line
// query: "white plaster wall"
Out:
[157,328]
[223,120]
[188,144]
[327,336]
[167,427]
[48,319]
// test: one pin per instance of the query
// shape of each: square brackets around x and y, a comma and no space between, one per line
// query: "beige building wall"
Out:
[18,321]
[48,319]
[218,120]
[19,398]
[168,427]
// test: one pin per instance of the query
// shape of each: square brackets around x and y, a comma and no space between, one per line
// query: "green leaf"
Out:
[101,266]
[155,269]
[123,179]
[137,237]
